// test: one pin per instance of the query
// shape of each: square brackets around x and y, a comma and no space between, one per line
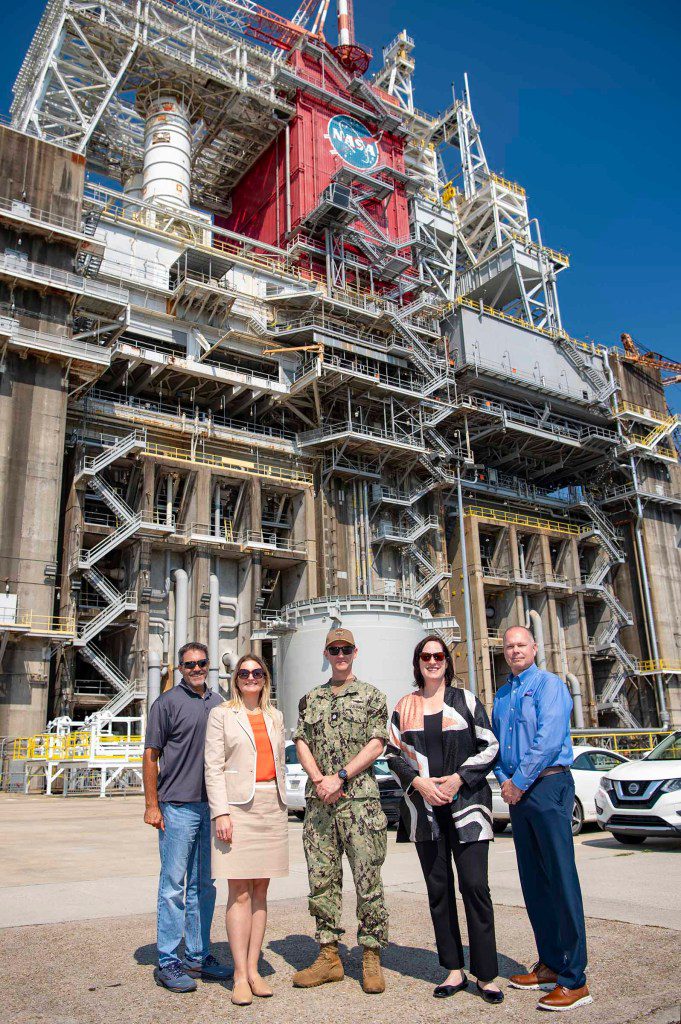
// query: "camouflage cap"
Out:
[339,636]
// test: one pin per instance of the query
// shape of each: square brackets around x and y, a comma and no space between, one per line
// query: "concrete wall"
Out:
[32,433]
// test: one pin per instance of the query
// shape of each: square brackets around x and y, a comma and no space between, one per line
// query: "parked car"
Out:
[587,770]
[389,789]
[643,798]
[296,778]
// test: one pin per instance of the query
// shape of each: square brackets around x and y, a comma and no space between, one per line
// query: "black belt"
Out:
[553,770]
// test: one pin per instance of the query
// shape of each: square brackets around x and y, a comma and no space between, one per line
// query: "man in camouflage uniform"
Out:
[341,731]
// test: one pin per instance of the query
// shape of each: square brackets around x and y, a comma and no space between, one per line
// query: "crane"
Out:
[645,357]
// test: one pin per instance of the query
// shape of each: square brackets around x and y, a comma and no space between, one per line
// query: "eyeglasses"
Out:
[201,663]
[346,649]
[435,656]
[257,673]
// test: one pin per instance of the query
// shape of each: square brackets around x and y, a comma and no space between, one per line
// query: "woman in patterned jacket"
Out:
[441,748]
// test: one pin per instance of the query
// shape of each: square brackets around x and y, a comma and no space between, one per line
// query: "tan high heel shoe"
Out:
[241,994]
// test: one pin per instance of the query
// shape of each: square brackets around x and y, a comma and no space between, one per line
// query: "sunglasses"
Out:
[346,649]
[436,656]
[257,673]
[195,664]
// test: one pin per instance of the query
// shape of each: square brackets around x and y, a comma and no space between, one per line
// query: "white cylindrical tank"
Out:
[167,151]
[385,631]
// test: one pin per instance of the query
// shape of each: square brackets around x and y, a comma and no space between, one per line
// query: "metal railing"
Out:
[250,468]
[25,211]
[41,625]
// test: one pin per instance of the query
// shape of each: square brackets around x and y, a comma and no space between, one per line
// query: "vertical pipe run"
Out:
[169,499]
[181,616]
[216,511]
[472,684]
[214,633]
[367,541]
[577,705]
[538,629]
[153,679]
[287,171]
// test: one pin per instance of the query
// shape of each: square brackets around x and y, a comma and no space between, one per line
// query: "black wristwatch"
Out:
[343,776]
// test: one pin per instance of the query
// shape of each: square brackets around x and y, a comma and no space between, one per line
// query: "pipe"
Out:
[287,184]
[216,511]
[578,707]
[367,542]
[169,499]
[536,625]
[153,678]
[472,684]
[214,633]
[181,615]
[665,720]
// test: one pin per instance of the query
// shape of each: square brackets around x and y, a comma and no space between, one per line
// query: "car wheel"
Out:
[577,818]
[499,826]
[623,837]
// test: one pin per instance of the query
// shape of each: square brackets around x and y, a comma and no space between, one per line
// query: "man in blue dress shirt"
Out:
[531,719]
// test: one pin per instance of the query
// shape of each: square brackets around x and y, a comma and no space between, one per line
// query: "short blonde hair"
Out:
[236,701]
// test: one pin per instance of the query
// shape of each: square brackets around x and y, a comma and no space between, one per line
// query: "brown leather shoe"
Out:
[540,976]
[565,998]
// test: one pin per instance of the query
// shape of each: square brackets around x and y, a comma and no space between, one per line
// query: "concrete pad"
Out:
[97,971]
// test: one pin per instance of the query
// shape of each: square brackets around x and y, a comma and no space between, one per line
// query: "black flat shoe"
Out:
[490,997]
[444,991]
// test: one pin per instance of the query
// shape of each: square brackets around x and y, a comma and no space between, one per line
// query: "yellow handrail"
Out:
[271,472]
[513,186]
[636,742]
[661,665]
[572,529]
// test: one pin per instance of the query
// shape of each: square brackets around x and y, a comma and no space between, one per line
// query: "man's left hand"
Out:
[510,793]
[330,789]
[449,785]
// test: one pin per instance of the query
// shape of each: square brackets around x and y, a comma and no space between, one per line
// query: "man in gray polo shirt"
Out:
[177,805]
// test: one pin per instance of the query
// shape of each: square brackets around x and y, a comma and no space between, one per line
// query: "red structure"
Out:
[331,145]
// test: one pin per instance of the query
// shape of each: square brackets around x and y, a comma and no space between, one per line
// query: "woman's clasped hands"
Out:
[439,791]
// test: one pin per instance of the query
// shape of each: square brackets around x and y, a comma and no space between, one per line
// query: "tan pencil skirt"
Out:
[259,847]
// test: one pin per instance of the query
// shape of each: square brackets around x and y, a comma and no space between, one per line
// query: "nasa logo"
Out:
[353,142]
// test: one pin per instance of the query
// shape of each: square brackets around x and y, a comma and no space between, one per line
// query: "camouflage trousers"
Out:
[358,829]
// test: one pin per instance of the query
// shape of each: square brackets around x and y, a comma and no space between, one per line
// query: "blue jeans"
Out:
[548,875]
[185,855]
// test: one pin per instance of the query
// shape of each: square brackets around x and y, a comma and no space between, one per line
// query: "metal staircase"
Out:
[136,441]
[133,691]
[603,387]
[126,529]
[106,668]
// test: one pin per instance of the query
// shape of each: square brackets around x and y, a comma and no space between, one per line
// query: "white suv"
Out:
[643,798]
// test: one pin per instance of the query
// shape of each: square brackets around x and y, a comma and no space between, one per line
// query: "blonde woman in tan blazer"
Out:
[245,780]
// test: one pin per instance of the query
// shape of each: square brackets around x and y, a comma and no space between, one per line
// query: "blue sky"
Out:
[579,103]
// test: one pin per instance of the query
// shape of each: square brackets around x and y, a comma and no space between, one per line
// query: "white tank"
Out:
[386,630]
[167,152]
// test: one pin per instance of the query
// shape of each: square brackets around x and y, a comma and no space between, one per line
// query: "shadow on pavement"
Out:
[410,961]
[651,845]
[146,956]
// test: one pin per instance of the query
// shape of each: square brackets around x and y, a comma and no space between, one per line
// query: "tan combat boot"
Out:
[373,981]
[327,967]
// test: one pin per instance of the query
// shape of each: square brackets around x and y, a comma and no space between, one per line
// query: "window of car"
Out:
[668,750]
[381,767]
[291,755]
[582,763]
[602,762]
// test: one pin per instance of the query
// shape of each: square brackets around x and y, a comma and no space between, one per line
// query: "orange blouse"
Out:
[265,770]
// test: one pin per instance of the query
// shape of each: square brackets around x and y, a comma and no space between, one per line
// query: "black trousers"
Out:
[471,869]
